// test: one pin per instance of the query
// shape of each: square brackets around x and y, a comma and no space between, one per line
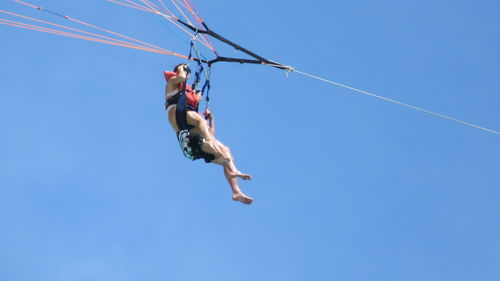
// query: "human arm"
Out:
[174,80]
[180,76]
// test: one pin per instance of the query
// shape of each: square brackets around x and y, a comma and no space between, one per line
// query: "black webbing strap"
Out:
[181,112]
[181,108]
[200,69]
[257,59]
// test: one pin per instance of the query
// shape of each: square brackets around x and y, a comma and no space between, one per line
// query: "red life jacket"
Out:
[191,98]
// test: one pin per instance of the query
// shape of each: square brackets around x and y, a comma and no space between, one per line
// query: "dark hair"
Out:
[177,67]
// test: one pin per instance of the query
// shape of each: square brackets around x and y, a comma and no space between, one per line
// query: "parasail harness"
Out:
[180,99]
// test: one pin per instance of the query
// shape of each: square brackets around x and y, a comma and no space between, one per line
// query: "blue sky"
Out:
[93,185]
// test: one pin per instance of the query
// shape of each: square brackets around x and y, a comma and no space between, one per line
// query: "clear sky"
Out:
[93,185]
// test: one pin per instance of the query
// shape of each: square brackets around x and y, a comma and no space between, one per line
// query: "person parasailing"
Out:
[196,135]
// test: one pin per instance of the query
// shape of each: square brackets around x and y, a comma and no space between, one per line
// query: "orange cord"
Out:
[79,36]
[81,31]
[149,7]
[131,6]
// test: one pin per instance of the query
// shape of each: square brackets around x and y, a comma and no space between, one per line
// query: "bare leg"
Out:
[220,157]
[200,127]
[237,194]
[194,119]
[233,171]
[231,174]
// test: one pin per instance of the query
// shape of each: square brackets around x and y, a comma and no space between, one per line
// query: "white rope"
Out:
[291,69]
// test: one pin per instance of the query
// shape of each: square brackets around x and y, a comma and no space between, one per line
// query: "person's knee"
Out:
[211,145]
[223,147]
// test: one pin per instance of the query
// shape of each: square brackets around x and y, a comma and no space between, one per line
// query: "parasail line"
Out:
[188,7]
[77,30]
[199,21]
[78,36]
[291,69]
[117,34]
[151,3]
[180,10]
[150,6]
[172,19]
[201,40]
[135,4]
[87,24]
[128,5]
[59,32]
[157,12]
[24,3]
[165,7]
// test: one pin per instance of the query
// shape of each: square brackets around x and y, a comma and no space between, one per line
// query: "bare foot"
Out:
[242,198]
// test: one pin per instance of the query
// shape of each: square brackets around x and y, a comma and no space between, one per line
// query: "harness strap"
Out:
[181,108]
[180,98]
[181,112]
[172,100]
[201,69]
